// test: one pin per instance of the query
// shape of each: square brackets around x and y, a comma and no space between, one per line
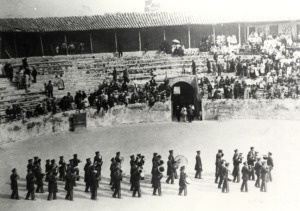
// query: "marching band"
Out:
[69,173]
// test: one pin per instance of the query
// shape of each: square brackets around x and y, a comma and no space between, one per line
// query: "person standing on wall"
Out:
[193,67]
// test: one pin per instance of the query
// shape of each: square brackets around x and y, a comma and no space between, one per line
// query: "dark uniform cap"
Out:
[71,160]
[170,151]
[61,157]
[14,170]
[142,156]
[97,152]
[235,150]
[251,147]
[132,156]
[155,153]
[48,160]
[75,155]
[245,163]
[118,153]
[159,156]
[53,160]
[220,150]
[88,159]
[112,160]
[270,153]
[139,155]
[198,151]
[182,168]
[30,160]
[35,158]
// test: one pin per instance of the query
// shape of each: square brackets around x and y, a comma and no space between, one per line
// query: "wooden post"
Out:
[214,33]
[66,44]
[91,43]
[0,46]
[140,41]
[42,46]
[240,42]
[189,36]
[164,34]
[116,41]
[15,45]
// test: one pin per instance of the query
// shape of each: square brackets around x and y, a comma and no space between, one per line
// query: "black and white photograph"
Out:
[159,105]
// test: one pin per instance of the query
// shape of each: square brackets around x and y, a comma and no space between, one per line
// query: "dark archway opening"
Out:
[182,95]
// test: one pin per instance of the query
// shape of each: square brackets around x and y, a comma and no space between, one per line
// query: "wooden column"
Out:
[42,46]
[15,45]
[0,46]
[91,43]
[66,44]
[189,36]
[240,42]
[140,41]
[164,34]
[116,41]
[214,33]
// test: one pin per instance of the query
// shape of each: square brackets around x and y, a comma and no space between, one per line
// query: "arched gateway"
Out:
[185,93]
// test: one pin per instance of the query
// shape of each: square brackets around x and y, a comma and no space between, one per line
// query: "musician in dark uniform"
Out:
[257,168]
[264,177]
[98,157]
[251,158]
[94,183]
[246,171]
[226,173]
[270,165]
[14,184]
[182,181]
[112,171]
[52,184]
[47,169]
[30,165]
[118,158]
[221,174]
[35,160]
[219,156]
[54,167]
[198,166]
[173,162]
[154,165]
[132,164]
[76,161]
[237,159]
[87,174]
[69,186]
[30,180]
[157,175]
[62,168]
[136,177]
[170,171]
[117,183]
[39,179]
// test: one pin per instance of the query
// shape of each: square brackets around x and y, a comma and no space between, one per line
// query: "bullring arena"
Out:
[169,81]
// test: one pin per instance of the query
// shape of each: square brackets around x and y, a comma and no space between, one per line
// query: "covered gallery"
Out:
[21,37]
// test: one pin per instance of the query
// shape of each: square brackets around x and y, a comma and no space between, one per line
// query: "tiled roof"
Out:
[109,21]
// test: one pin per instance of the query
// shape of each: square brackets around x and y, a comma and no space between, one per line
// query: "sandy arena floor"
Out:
[279,137]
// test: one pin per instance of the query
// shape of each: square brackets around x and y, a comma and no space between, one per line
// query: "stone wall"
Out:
[287,109]
[135,113]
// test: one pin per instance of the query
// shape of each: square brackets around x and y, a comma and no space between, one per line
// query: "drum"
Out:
[188,180]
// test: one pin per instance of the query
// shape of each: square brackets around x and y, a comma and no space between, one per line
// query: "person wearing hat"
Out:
[30,180]
[98,157]
[173,162]
[112,171]
[39,178]
[198,166]
[237,160]
[264,177]
[170,171]
[14,184]
[245,176]
[132,164]
[30,165]
[257,168]
[270,165]
[157,175]
[219,156]
[47,169]
[62,168]
[136,177]
[226,172]
[141,162]
[54,167]
[221,173]
[87,174]
[76,161]
[182,181]
[177,112]
[251,158]
[94,182]
[117,183]
[70,183]
[35,160]
[52,185]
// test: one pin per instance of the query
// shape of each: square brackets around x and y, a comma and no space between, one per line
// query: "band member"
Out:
[47,169]
[94,183]
[132,164]
[70,182]
[226,173]
[219,156]
[54,167]
[198,166]
[30,165]
[117,183]
[154,165]
[35,160]
[98,157]
[52,185]
[222,171]
[257,168]
[117,158]
[39,179]
[270,165]
[170,171]
[246,171]
[157,175]
[136,177]
[30,185]
[76,161]
[173,162]
[182,181]
[251,158]
[237,159]
[62,168]
[264,177]
[14,184]
[112,171]
[87,174]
